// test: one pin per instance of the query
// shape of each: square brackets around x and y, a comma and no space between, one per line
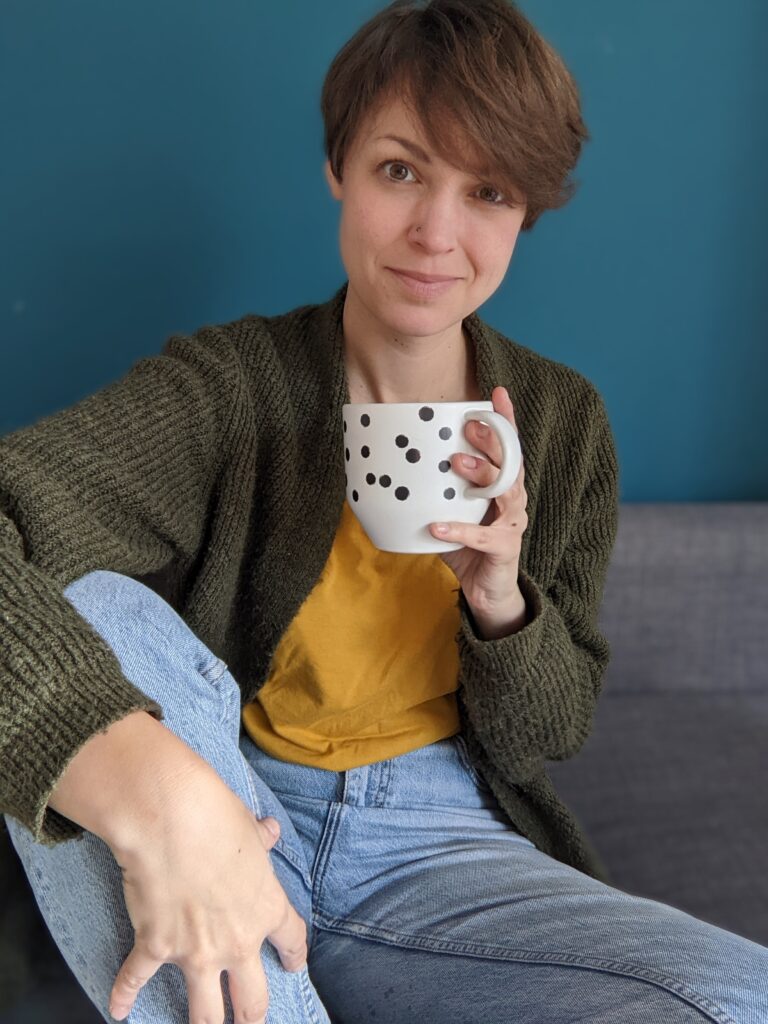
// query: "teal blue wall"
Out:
[162,168]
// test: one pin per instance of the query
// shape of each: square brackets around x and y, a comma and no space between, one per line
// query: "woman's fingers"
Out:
[485,439]
[249,992]
[479,471]
[269,831]
[201,893]
[204,996]
[289,937]
[247,981]
[290,940]
[136,971]
[482,473]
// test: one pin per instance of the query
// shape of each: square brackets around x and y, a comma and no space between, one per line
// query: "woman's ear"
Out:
[333,182]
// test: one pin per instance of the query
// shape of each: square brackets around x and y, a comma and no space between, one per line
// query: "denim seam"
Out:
[255,805]
[213,671]
[385,774]
[281,846]
[359,929]
[322,856]
[298,861]
[309,999]
[463,754]
[55,919]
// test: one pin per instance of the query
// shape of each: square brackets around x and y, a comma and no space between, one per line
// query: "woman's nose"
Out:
[435,225]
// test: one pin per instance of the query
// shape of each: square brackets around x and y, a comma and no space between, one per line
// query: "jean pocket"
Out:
[463,753]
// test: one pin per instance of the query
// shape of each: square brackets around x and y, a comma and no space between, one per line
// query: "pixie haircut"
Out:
[490,93]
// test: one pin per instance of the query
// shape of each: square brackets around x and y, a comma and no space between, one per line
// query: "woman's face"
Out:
[405,209]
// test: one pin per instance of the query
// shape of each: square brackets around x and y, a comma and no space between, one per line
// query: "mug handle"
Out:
[512,455]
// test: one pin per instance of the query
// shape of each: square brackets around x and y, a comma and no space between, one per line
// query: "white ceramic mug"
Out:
[399,474]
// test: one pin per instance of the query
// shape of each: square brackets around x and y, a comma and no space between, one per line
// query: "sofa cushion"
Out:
[670,785]
[686,599]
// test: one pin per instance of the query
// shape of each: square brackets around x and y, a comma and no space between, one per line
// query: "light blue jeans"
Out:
[421,903]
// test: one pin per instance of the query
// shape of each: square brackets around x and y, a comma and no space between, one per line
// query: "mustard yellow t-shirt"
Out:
[368,669]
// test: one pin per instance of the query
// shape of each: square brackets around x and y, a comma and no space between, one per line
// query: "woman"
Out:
[383,817]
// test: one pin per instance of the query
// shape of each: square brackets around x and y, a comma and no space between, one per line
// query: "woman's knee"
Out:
[99,591]
[125,612]
[157,650]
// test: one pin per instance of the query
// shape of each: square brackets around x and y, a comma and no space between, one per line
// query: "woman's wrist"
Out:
[498,622]
[123,781]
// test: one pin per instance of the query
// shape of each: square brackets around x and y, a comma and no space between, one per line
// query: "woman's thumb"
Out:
[272,826]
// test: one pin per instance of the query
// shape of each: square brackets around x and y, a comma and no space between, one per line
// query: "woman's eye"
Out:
[396,164]
[498,201]
[397,171]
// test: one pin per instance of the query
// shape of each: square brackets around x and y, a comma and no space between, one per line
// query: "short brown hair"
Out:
[480,79]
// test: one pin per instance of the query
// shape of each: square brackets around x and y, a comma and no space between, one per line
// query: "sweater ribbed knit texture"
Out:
[214,473]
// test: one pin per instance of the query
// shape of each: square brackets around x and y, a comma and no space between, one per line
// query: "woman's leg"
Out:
[430,907]
[77,883]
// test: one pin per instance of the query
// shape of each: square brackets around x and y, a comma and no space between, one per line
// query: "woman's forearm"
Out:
[120,783]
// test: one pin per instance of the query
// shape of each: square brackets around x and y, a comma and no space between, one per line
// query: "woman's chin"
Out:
[417,321]
[404,315]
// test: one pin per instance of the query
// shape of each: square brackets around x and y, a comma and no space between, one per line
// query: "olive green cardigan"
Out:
[214,472]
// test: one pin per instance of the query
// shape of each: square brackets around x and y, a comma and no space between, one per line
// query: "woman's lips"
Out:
[424,289]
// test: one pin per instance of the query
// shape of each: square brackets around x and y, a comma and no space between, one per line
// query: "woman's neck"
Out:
[391,370]
[362,390]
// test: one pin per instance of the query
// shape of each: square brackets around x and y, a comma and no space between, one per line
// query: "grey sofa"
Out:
[670,786]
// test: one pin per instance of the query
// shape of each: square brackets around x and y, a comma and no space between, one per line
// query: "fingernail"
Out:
[469,461]
[273,826]
[482,430]
[441,527]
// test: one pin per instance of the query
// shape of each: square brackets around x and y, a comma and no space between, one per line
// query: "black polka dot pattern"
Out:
[412,454]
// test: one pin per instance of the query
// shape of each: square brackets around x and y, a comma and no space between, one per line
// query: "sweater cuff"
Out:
[503,658]
[51,740]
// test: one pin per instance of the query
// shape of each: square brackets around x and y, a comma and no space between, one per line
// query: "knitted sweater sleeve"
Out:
[119,481]
[531,696]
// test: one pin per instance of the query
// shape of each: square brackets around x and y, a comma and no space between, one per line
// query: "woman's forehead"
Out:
[393,118]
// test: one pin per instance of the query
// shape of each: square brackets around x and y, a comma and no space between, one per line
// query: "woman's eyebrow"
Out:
[423,155]
[416,150]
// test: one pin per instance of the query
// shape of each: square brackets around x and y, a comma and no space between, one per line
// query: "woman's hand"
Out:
[201,893]
[487,566]
[199,887]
